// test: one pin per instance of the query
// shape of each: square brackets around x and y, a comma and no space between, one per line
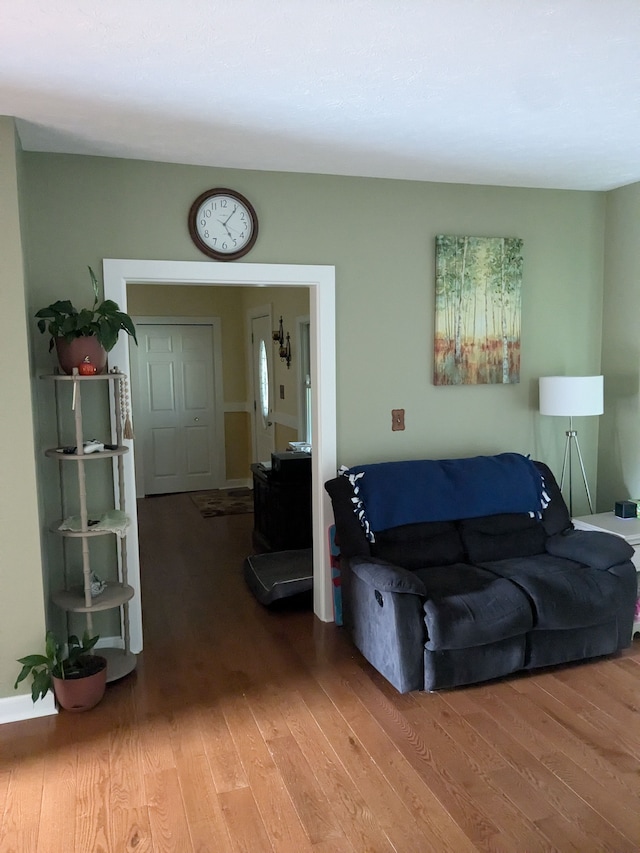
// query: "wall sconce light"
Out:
[285,351]
[278,335]
[284,344]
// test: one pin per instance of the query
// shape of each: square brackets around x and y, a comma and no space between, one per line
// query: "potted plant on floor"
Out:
[84,337]
[77,678]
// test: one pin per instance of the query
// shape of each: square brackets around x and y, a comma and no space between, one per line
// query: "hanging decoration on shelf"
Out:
[127,429]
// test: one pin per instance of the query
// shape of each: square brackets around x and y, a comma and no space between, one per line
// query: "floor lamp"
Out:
[572,396]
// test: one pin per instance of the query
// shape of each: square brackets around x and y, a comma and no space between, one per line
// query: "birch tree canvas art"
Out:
[478,292]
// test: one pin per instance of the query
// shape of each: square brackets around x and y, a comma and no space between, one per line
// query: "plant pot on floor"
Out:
[73,353]
[82,693]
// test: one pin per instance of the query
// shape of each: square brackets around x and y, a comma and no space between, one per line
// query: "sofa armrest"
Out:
[596,549]
[386,577]
[387,620]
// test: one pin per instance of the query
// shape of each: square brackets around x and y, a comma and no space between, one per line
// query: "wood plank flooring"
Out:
[246,730]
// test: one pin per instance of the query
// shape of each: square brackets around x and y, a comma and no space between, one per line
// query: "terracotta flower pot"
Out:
[81,694]
[72,354]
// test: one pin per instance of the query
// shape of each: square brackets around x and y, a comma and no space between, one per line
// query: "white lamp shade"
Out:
[571,396]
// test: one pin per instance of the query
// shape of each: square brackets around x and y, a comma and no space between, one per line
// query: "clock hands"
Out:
[224,225]
[224,222]
[230,215]
[229,228]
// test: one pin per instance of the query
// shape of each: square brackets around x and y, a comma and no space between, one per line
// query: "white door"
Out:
[262,364]
[182,451]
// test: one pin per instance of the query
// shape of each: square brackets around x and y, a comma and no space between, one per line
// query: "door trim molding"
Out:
[216,342]
[301,323]
[320,279]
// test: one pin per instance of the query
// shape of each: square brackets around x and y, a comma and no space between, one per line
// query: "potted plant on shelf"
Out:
[77,678]
[84,337]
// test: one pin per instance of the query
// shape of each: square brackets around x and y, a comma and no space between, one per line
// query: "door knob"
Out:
[196,419]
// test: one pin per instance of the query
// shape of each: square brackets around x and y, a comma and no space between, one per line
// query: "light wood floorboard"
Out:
[247,730]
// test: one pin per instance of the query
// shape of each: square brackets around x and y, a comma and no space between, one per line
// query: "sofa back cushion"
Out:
[418,546]
[500,537]
[429,543]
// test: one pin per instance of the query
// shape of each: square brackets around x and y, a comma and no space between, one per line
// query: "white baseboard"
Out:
[16,708]
[239,483]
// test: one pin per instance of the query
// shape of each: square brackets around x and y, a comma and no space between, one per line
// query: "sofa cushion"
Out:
[451,667]
[563,593]
[415,546]
[548,648]
[498,537]
[469,606]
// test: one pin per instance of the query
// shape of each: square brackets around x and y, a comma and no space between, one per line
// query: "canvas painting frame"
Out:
[478,296]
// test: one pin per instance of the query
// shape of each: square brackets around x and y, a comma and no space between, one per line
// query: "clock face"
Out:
[223,224]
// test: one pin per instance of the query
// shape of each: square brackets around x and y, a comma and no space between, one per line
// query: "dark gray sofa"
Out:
[446,599]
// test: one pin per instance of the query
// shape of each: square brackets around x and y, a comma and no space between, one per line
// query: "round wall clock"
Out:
[223,224]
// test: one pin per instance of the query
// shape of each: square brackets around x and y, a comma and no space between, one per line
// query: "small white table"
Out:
[628,529]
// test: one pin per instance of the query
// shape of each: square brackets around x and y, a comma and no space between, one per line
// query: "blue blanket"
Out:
[390,494]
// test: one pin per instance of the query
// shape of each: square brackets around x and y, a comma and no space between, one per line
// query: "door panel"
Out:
[195,386]
[181,448]
[165,463]
[197,450]
[162,395]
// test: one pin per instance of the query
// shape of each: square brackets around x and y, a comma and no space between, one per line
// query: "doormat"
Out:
[223,502]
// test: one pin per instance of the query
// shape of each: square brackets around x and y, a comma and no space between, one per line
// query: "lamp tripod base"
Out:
[572,439]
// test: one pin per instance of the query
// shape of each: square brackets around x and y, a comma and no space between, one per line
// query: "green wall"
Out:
[619,454]
[380,236]
[22,623]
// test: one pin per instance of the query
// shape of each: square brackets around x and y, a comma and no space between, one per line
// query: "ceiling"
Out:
[535,93]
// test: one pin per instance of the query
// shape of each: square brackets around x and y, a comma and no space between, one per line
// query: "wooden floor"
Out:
[249,730]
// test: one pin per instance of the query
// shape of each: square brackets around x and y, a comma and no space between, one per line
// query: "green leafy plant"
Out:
[104,319]
[74,661]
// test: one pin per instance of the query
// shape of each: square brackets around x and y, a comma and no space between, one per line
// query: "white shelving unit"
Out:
[117,594]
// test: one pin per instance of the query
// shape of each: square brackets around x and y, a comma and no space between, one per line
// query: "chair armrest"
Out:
[386,577]
[593,548]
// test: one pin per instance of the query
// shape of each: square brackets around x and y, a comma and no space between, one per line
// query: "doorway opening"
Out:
[321,283]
